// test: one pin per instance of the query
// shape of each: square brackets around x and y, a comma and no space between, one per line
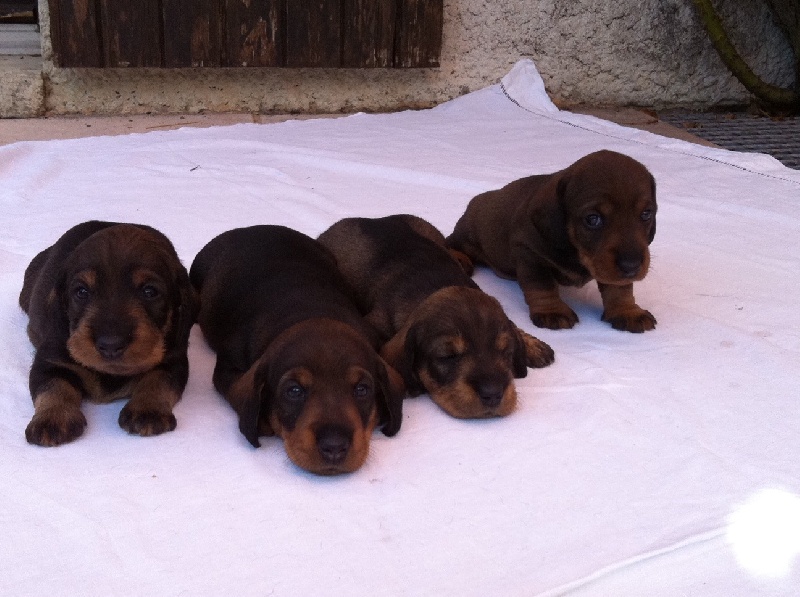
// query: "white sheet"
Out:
[657,464]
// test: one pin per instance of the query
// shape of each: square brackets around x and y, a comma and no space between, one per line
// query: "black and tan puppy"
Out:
[445,336]
[294,356]
[594,219]
[110,309]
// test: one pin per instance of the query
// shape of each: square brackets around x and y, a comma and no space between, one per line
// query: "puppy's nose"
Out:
[491,393]
[111,346]
[333,444]
[629,265]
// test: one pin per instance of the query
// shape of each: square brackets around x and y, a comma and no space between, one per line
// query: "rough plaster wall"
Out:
[22,89]
[632,52]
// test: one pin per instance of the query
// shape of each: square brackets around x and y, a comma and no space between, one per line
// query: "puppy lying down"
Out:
[110,309]
[592,220]
[294,356]
[443,334]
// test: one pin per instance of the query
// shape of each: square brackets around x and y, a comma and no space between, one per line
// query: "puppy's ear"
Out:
[652,234]
[390,398]
[249,397]
[519,361]
[550,206]
[188,306]
[401,353]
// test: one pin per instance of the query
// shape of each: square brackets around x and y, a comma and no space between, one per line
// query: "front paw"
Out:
[562,319]
[537,353]
[634,319]
[146,421]
[55,426]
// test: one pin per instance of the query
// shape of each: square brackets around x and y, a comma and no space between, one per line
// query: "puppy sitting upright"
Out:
[294,356]
[445,336]
[110,309]
[594,219]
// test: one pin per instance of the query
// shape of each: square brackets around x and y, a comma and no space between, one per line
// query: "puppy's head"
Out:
[608,204]
[323,389]
[127,299]
[460,348]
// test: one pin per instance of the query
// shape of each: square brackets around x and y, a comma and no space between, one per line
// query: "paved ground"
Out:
[740,131]
[70,127]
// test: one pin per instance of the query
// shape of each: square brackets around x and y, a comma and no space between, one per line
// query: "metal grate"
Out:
[739,131]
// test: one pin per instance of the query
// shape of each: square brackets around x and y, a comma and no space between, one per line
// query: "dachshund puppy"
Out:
[110,308]
[294,356]
[594,219]
[445,336]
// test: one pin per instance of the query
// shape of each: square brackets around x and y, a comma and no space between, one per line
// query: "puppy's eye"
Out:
[361,390]
[295,392]
[647,215]
[150,292]
[593,221]
[81,293]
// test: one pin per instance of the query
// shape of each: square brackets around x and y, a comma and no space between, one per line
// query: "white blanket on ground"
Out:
[663,463]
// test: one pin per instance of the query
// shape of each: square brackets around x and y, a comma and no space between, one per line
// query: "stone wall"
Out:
[651,53]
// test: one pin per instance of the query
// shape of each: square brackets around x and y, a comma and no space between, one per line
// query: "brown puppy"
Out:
[594,219]
[445,336]
[110,309]
[294,356]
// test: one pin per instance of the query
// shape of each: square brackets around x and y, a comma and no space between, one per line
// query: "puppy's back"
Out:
[393,263]
[258,281]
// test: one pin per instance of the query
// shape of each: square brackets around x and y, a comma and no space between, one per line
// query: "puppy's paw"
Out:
[537,353]
[633,319]
[55,426]
[146,421]
[555,320]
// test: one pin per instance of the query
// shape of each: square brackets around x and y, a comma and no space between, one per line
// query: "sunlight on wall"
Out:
[764,532]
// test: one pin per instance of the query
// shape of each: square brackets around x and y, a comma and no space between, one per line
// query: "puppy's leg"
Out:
[622,312]
[57,417]
[149,411]
[538,354]
[547,310]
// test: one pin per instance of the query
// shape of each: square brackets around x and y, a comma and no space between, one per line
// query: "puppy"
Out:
[110,308]
[294,356]
[445,336]
[594,219]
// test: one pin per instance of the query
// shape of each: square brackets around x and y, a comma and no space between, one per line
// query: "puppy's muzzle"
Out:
[629,264]
[490,390]
[333,443]
[112,346]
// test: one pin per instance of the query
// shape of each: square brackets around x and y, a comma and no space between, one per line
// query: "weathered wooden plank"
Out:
[255,32]
[73,31]
[313,33]
[132,33]
[191,33]
[418,42]
[368,32]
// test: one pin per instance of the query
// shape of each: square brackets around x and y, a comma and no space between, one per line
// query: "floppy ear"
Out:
[188,306]
[249,397]
[400,353]
[520,358]
[390,398]
[549,206]
[652,234]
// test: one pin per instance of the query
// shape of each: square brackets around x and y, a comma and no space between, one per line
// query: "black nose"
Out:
[629,266]
[111,346]
[333,444]
[491,393]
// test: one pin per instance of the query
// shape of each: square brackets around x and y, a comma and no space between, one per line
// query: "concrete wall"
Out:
[629,52]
